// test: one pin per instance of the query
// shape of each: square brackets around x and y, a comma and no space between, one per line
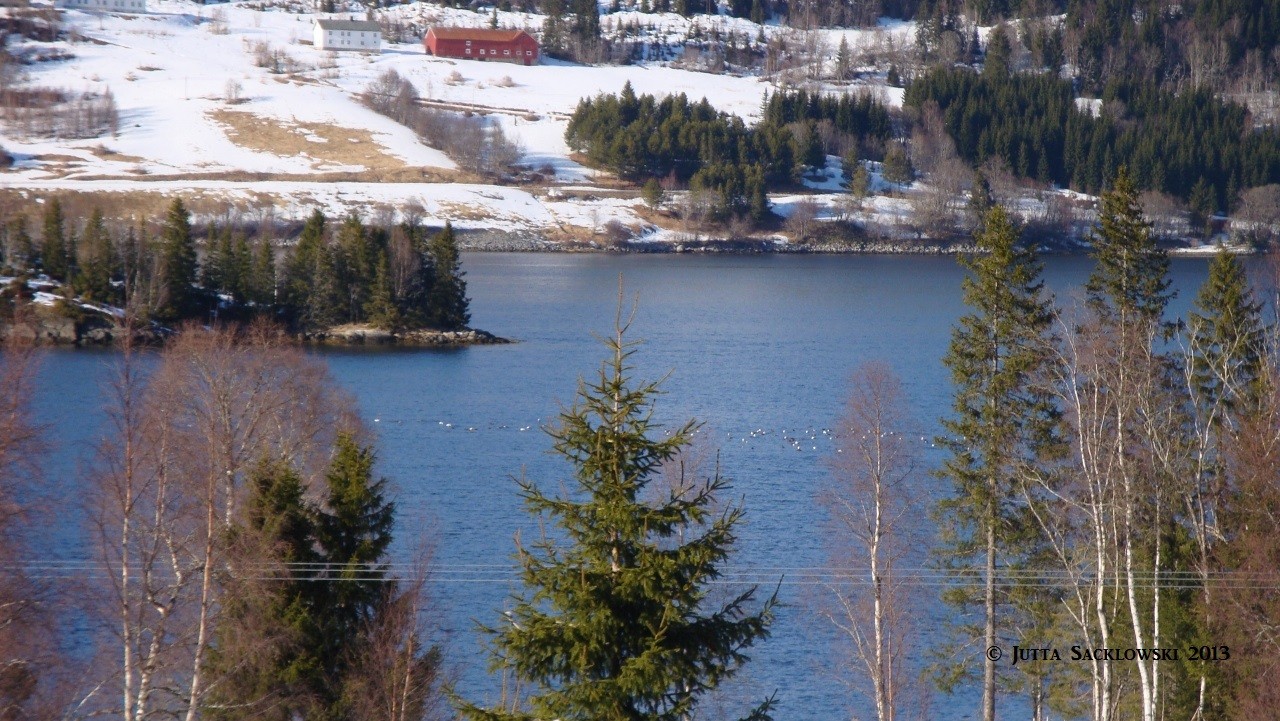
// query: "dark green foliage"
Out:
[393,280]
[642,137]
[353,531]
[586,21]
[980,199]
[53,243]
[998,62]
[178,264]
[652,193]
[1227,342]
[448,297]
[1129,285]
[857,115]
[860,182]
[1170,142]
[97,262]
[265,661]
[614,624]
[311,626]
[20,250]
[381,309]
[897,165]
[262,275]
[1003,425]
[1143,43]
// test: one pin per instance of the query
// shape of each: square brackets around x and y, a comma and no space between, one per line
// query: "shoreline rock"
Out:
[360,335]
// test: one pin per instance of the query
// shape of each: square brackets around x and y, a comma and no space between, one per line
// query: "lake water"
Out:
[750,343]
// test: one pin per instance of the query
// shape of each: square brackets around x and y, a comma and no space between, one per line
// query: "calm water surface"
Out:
[762,343]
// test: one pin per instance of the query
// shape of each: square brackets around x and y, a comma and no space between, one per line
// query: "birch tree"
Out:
[869,498]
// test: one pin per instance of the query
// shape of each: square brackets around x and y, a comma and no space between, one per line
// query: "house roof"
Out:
[366,26]
[501,36]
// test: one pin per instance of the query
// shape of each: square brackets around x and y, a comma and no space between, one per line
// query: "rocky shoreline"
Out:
[360,335]
[523,241]
[48,327]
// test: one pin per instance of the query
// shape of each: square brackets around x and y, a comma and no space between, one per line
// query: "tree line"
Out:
[395,277]
[642,137]
[1192,145]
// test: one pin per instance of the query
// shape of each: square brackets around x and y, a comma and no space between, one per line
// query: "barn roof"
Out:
[358,25]
[502,36]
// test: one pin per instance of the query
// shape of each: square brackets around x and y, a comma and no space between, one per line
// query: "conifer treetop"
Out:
[615,622]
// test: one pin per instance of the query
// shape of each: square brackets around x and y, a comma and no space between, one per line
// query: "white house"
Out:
[348,35]
[110,6]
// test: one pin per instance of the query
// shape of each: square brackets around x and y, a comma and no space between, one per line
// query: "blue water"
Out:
[745,343]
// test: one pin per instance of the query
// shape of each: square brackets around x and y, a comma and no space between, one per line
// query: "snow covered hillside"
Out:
[200,114]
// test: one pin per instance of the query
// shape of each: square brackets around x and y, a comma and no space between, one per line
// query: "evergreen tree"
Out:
[553,28]
[300,267]
[1003,425]
[1129,286]
[1202,204]
[860,183]
[178,259]
[757,12]
[262,278]
[586,22]
[20,250]
[997,62]
[449,303]
[615,623]
[353,532]
[1227,340]
[980,199]
[97,260]
[381,308]
[652,193]
[53,243]
[356,260]
[844,60]
[326,300]
[264,663]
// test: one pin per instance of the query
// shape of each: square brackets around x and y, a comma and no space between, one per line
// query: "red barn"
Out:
[507,46]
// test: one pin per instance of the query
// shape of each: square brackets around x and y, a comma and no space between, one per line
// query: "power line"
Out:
[507,574]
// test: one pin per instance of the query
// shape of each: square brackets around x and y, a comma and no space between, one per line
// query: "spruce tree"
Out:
[356,259]
[53,243]
[652,193]
[844,59]
[265,663]
[97,260]
[21,249]
[449,304]
[178,258]
[381,309]
[1129,285]
[262,276]
[1227,340]
[1003,424]
[615,623]
[300,268]
[353,530]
